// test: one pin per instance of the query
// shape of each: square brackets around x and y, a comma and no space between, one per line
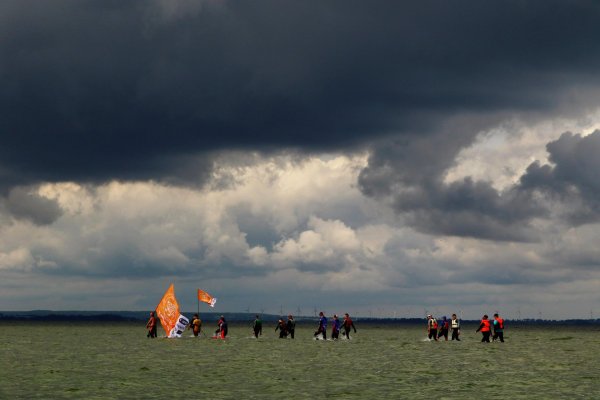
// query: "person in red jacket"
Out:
[485,329]
[151,326]
[221,332]
[282,326]
[348,324]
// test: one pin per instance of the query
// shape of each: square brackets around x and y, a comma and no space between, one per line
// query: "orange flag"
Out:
[206,298]
[168,310]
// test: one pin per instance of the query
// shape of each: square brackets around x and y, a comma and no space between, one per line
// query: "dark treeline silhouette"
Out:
[135,316]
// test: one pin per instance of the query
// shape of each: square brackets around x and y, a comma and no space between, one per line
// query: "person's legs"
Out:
[486,337]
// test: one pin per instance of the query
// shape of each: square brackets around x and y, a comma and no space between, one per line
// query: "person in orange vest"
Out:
[498,325]
[485,328]
[195,325]
[432,327]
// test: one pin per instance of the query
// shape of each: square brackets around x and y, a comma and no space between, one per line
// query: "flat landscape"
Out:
[117,361]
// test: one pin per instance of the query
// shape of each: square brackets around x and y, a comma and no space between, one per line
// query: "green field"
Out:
[117,361]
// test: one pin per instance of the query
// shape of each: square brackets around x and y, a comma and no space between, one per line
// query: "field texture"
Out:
[117,361]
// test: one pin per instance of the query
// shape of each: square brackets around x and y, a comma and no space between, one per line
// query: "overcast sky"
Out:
[379,158]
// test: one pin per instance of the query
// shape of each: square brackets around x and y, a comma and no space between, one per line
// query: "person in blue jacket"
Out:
[322,329]
[444,328]
[335,327]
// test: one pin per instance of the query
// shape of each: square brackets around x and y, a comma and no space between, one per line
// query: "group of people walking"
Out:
[285,328]
[440,329]
[486,326]
[288,328]
[436,330]
[196,327]
[347,324]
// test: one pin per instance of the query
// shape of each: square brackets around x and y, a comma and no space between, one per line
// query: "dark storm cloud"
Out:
[101,90]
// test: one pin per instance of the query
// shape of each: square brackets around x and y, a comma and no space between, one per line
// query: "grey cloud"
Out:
[23,203]
[257,228]
[572,176]
[502,274]
[411,174]
[476,209]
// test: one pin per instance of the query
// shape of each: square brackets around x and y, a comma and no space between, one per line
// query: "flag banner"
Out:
[206,298]
[168,310]
[180,325]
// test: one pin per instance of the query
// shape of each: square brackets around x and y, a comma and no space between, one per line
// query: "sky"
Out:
[380,158]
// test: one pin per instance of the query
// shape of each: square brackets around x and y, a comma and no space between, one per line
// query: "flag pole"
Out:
[198,298]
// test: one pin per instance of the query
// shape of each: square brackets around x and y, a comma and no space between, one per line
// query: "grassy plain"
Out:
[117,361]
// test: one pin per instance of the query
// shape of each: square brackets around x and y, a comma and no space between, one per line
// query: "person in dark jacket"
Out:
[257,326]
[335,327]
[444,327]
[455,326]
[498,325]
[291,326]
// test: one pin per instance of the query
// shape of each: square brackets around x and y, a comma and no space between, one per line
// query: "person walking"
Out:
[282,326]
[455,326]
[432,327]
[151,326]
[348,324]
[221,331]
[498,325]
[335,327]
[485,328]
[196,325]
[322,329]
[257,326]
[291,326]
[444,327]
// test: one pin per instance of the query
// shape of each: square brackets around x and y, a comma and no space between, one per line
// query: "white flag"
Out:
[180,325]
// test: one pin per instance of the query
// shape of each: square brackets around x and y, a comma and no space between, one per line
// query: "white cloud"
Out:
[323,237]
[17,258]
[501,154]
